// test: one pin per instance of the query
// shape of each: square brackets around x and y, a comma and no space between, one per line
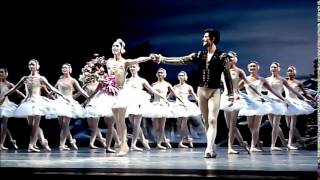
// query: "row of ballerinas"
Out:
[255,105]
[104,93]
[101,92]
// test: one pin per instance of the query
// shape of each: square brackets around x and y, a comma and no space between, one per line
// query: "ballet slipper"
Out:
[181,145]
[145,144]
[32,149]
[123,151]
[210,154]
[290,147]
[92,146]
[167,142]
[159,146]
[109,150]
[103,142]
[135,148]
[231,151]
[64,148]
[73,144]
[255,150]
[190,142]
[14,143]
[3,148]
[245,146]
[45,144]
[275,149]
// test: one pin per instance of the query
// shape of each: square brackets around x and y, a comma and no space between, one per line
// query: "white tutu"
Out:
[71,109]
[255,107]
[138,101]
[190,109]
[122,99]
[241,101]
[7,108]
[160,109]
[100,106]
[300,107]
[278,107]
[36,105]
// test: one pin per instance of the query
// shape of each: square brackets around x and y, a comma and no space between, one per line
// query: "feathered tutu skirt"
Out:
[100,106]
[241,101]
[7,109]
[138,101]
[300,107]
[71,109]
[187,110]
[160,109]
[36,105]
[256,107]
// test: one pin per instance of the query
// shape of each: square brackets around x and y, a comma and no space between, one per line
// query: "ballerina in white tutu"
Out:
[7,109]
[34,105]
[183,111]
[278,108]
[303,106]
[67,110]
[139,103]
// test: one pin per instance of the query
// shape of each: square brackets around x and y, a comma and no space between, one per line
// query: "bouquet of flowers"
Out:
[93,70]
[108,85]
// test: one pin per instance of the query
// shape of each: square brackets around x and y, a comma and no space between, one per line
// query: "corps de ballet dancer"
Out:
[183,111]
[7,109]
[67,110]
[303,106]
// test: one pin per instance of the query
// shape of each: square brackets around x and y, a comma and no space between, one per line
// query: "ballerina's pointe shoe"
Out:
[145,144]
[3,148]
[159,146]
[92,146]
[103,142]
[255,150]
[275,149]
[245,147]
[135,148]
[64,148]
[73,144]
[14,144]
[208,154]
[45,144]
[167,143]
[109,150]
[181,145]
[32,149]
[260,145]
[292,147]
[190,142]
[231,151]
[123,151]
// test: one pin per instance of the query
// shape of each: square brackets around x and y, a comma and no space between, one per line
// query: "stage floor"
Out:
[172,162]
